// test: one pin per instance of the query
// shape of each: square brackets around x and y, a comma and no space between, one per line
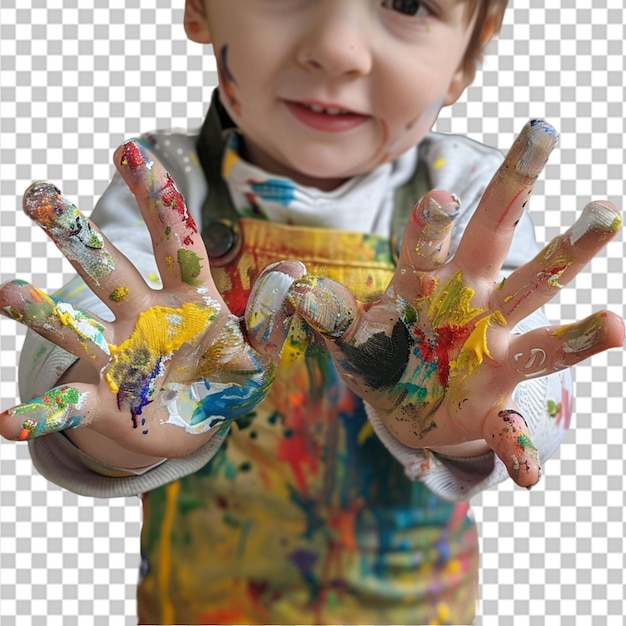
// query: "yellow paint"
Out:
[439,163]
[475,347]
[165,550]
[365,433]
[451,304]
[154,278]
[230,159]
[159,331]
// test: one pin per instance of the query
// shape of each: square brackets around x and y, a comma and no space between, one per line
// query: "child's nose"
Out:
[336,41]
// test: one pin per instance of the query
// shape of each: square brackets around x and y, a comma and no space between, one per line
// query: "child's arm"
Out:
[174,367]
[436,358]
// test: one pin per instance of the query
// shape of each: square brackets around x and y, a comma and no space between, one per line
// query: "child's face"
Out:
[326,90]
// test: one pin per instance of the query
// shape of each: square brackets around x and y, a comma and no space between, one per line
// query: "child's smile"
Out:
[338,86]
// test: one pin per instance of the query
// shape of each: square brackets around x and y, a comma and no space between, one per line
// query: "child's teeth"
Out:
[316,108]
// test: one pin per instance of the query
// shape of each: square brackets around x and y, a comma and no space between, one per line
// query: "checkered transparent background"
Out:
[75,82]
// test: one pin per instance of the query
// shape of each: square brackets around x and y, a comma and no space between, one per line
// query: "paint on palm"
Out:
[74,234]
[433,347]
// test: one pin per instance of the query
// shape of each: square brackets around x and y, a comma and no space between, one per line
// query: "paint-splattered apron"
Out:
[303,516]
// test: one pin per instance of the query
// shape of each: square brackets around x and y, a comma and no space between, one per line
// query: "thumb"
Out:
[507,434]
[269,310]
[326,305]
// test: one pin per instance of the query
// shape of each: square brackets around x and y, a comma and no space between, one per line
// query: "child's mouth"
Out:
[326,118]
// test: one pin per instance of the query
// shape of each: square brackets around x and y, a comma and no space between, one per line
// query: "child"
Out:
[291,510]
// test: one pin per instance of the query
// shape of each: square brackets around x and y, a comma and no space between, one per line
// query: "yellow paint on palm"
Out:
[475,347]
[451,303]
[159,332]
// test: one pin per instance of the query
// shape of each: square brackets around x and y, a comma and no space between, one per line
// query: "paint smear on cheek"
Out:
[138,362]
[390,147]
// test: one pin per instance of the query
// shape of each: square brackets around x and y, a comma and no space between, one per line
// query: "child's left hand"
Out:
[436,355]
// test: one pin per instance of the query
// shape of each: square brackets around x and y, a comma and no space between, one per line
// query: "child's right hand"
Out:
[175,362]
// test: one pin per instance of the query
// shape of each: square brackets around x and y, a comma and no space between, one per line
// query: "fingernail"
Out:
[437,210]
[135,156]
[598,217]
[533,147]
[43,203]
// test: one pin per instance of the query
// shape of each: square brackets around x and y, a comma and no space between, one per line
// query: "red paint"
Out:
[510,206]
[447,339]
[133,155]
[323,121]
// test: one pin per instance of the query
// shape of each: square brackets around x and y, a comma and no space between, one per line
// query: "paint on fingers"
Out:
[579,340]
[59,409]
[530,151]
[42,312]
[516,449]
[72,232]
[151,182]
[596,218]
[319,302]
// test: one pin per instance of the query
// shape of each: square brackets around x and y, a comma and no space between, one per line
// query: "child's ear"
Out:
[466,72]
[196,22]
[461,79]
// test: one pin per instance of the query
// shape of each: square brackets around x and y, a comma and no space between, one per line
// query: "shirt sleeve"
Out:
[464,167]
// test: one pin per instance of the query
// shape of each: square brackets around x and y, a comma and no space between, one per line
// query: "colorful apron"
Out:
[303,516]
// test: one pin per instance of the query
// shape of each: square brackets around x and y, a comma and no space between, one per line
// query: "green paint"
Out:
[525,442]
[168,232]
[616,224]
[190,266]
[118,294]
[553,408]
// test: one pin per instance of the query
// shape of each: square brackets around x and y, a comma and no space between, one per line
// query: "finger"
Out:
[489,233]
[105,270]
[69,327]
[178,247]
[507,434]
[426,239]
[545,350]
[532,285]
[61,408]
[326,305]
[269,311]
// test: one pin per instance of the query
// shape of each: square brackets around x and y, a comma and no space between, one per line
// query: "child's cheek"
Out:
[397,138]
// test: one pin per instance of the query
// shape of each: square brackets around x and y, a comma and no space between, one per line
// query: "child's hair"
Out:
[484,12]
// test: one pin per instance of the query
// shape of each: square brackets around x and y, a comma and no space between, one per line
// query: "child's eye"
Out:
[412,8]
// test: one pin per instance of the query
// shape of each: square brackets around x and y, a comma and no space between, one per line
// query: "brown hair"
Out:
[488,16]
